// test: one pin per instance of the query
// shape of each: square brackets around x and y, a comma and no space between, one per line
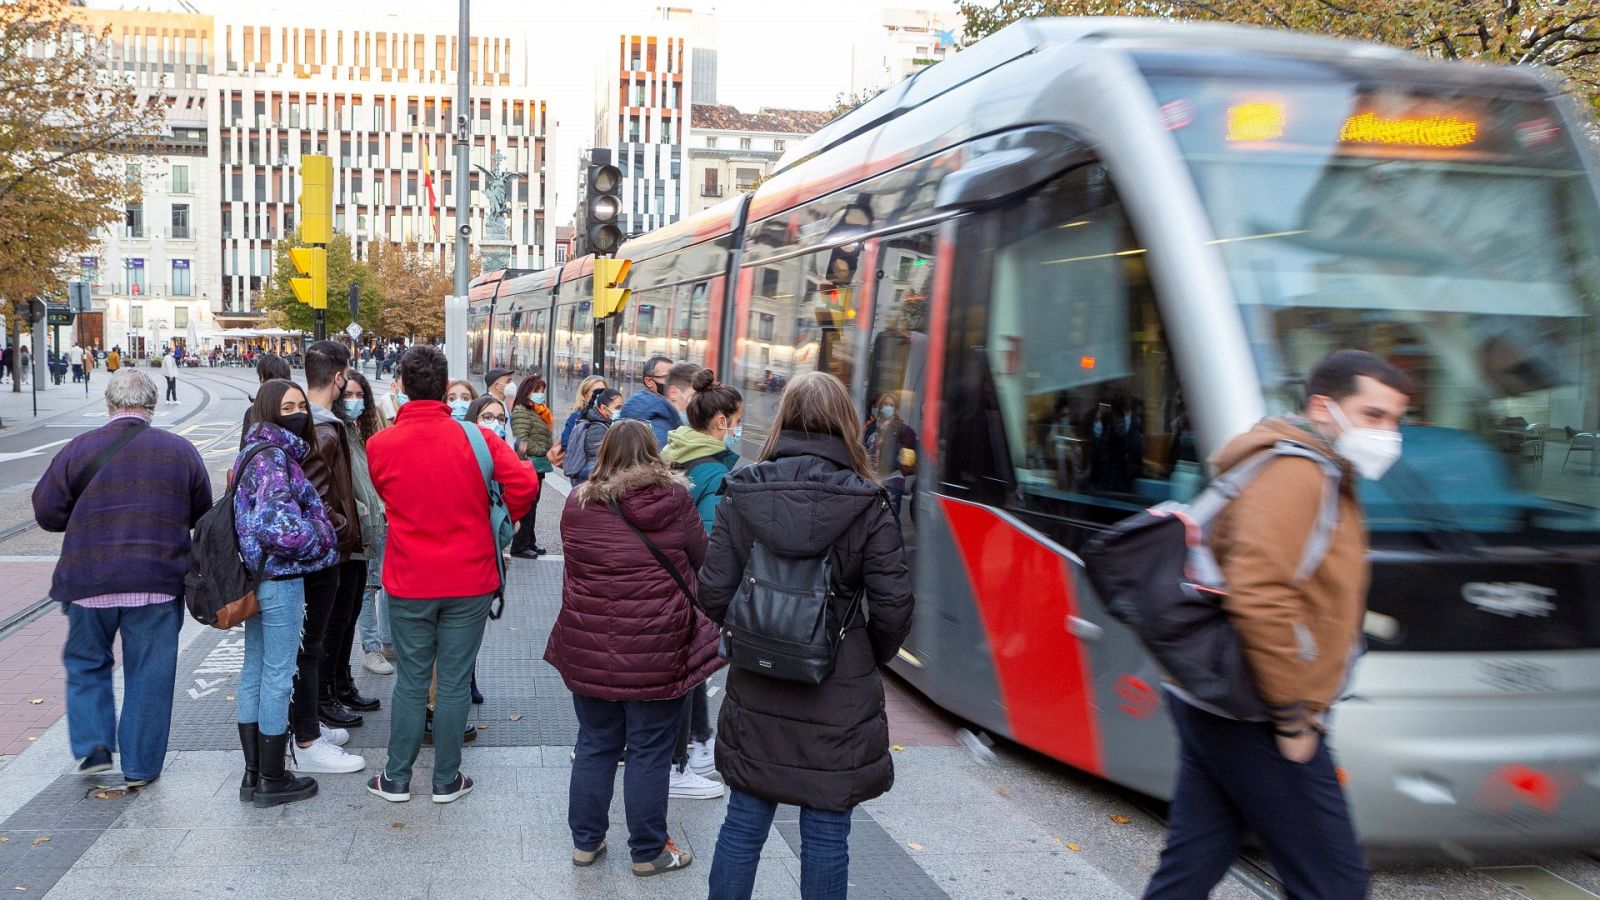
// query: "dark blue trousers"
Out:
[1231,778]
[647,729]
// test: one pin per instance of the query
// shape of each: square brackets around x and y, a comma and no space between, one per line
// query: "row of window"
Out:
[133,270]
[425,112]
[133,222]
[180,317]
[745,143]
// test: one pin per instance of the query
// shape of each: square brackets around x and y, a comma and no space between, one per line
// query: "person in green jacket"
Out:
[705,450]
[531,430]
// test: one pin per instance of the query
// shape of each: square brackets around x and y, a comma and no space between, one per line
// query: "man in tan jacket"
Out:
[1300,637]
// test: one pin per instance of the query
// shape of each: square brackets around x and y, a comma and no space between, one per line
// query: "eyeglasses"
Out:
[490,420]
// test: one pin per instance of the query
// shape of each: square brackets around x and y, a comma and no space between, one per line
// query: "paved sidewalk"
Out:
[32,689]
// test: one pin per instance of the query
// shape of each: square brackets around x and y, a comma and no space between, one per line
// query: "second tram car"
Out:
[1079,256]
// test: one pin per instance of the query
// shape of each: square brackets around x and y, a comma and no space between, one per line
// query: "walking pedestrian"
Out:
[114,359]
[324,693]
[75,358]
[1300,636]
[459,395]
[605,406]
[665,396]
[705,450]
[169,371]
[284,532]
[531,424]
[824,747]
[629,642]
[127,496]
[439,568]
[362,421]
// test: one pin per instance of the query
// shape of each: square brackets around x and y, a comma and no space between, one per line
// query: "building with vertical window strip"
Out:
[642,106]
[381,103]
[156,272]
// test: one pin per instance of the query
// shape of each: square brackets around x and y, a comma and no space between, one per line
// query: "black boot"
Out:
[275,786]
[332,712]
[477,695]
[352,698]
[249,742]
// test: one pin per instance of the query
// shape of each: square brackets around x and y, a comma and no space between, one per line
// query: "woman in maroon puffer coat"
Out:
[628,643]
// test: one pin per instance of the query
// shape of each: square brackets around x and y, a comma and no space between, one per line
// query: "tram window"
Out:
[899,347]
[574,357]
[802,319]
[1086,382]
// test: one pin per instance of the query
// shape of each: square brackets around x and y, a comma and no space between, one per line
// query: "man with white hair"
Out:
[127,496]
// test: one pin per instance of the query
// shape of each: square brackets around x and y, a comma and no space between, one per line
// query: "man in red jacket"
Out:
[439,568]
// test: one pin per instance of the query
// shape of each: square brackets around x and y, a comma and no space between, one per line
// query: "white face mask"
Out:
[1371,450]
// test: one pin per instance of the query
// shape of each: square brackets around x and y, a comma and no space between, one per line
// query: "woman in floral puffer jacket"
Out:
[284,533]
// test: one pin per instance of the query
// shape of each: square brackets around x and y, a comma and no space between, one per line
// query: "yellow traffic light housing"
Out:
[316,199]
[610,296]
[312,287]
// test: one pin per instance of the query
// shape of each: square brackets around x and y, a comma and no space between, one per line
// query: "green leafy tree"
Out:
[1561,34]
[343,268]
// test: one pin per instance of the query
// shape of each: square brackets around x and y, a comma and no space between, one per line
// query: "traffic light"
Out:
[312,287]
[316,199]
[609,294]
[603,208]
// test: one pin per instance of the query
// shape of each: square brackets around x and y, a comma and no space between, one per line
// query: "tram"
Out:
[1082,254]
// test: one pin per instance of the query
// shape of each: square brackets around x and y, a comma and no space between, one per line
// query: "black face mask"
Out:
[295,424]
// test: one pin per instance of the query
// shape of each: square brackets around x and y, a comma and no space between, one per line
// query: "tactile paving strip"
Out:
[879,866]
[47,835]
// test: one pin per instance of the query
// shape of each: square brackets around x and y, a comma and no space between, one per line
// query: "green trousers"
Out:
[447,632]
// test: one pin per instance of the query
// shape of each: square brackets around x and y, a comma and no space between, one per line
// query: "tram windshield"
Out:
[1454,234]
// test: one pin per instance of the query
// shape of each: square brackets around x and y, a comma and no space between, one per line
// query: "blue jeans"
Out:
[824,849]
[271,648]
[1231,777]
[373,622]
[648,729]
[149,664]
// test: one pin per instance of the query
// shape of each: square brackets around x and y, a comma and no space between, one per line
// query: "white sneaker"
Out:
[335,736]
[689,785]
[323,758]
[702,757]
[375,663]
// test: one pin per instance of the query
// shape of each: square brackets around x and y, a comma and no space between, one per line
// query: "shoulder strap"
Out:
[81,483]
[683,584]
[1227,487]
[480,450]
[244,462]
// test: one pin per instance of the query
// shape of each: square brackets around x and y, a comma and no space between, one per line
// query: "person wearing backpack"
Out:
[705,450]
[583,442]
[441,566]
[822,747]
[1300,636]
[126,496]
[284,532]
[531,423]
[629,642]
[586,390]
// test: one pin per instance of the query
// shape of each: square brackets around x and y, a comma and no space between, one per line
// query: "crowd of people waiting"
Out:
[368,518]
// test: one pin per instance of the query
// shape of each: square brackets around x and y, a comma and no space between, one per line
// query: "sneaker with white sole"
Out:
[671,859]
[703,757]
[323,758]
[335,736]
[452,791]
[393,791]
[690,785]
[375,663]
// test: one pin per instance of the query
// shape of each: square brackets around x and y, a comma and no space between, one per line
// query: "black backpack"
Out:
[781,621]
[1155,574]
[220,590]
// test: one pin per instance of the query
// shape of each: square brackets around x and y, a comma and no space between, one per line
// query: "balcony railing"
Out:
[182,233]
[133,231]
[711,190]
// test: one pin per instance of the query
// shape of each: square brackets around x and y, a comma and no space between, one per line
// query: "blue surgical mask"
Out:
[885,412]
[537,397]
[731,440]
[458,409]
[355,407]
[400,400]
[499,430]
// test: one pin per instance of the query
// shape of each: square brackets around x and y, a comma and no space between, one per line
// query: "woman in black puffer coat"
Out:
[824,748]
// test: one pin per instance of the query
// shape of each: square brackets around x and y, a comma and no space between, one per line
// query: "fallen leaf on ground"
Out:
[482,727]
[516,717]
[1074,848]
[915,846]
[1121,820]
[397,824]
[111,794]
[1003,791]
[32,738]
[36,700]
[5,840]
[41,839]
[227,698]
[897,748]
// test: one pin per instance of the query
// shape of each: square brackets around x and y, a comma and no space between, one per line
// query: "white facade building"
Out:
[909,41]
[731,152]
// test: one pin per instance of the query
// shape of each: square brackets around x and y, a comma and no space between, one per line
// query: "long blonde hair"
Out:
[586,390]
[818,403]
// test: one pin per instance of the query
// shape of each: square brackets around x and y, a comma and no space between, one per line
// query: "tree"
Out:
[846,102]
[413,286]
[1564,36]
[343,268]
[66,126]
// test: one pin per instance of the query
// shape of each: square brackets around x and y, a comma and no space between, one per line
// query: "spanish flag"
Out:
[427,183]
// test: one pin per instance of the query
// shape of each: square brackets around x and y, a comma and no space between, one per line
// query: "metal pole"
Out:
[463,149]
